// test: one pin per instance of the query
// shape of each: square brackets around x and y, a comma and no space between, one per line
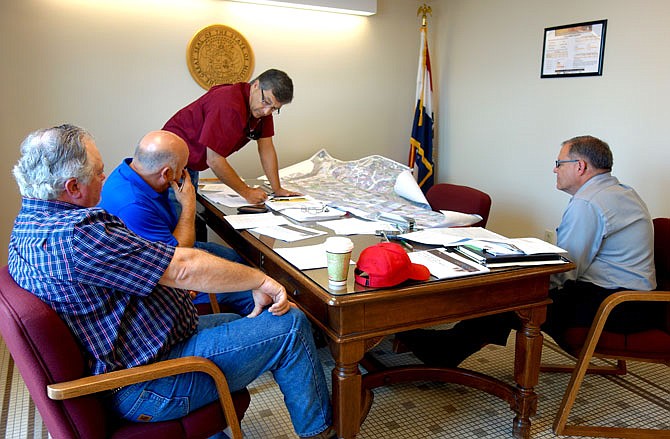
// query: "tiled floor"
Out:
[427,410]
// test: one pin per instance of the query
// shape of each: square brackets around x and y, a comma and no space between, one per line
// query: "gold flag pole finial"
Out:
[424,11]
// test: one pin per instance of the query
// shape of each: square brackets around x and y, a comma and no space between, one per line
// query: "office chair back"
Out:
[457,198]
[45,352]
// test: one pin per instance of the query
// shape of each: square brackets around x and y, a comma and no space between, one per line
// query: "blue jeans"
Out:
[244,348]
[242,302]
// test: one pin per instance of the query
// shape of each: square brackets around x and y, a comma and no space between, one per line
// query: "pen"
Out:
[180,185]
[395,237]
[288,199]
[406,244]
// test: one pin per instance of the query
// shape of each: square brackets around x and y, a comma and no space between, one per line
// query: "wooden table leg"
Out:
[347,384]
[527,359]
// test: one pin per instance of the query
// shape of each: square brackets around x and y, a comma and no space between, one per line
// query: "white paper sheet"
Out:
[459,219]
[288,232]
[532,246]
[304,215]
[306,257]
[356,226]
[217,187]
[447,236]
[280,203]
[445,265]
[229,200]
[254,220]
[407,187]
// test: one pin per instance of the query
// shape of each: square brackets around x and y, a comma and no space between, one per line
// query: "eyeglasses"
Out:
[266,103]
[560,162]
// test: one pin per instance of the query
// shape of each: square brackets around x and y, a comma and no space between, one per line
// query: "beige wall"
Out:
[501,125]
[117,67]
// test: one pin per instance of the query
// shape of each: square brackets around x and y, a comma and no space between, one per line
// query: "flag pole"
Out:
[421,139]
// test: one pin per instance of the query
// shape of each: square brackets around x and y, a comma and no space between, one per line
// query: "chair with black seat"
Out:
[651,345]
[70,402]
[457,198]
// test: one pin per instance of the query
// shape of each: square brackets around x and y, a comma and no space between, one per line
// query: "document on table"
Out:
[222,194]
[406,187]
[356,226]
[306,257]
[217,187]
[453,219]
[304,201]
[447,236]
[533,246]
[308,214]
[288,232]
[254,220]
[444,264]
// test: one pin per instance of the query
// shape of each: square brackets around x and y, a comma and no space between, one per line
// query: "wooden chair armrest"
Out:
[620,297]
[214,303]
[647,296]
[125,377]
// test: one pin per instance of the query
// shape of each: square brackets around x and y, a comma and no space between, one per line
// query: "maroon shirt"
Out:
[220,120]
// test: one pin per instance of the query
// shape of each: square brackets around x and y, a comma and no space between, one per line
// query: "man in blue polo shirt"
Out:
[137,192]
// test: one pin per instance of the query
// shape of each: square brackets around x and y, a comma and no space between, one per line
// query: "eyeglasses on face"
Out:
[560,162]
[267,103]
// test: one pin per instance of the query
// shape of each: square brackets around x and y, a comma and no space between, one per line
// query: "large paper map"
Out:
[364,187]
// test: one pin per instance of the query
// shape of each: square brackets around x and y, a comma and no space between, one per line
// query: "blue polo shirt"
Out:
[145,211]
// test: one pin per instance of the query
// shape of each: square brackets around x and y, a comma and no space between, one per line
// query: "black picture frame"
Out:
[574,50]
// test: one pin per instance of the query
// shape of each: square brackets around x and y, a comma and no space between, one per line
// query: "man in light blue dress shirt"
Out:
[608,233]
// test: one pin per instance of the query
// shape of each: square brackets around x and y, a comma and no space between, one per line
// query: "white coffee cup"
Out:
[338,252]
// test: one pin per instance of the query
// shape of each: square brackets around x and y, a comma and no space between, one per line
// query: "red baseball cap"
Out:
[385,265]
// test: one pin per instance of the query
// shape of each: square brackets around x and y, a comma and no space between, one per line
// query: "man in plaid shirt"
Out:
[126,299]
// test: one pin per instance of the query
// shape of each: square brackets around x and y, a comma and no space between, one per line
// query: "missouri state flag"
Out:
[421,141]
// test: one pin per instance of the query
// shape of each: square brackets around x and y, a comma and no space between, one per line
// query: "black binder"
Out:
[487,258]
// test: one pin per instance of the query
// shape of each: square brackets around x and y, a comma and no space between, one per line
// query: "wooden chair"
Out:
[652,345]
[446,196]
[54,370]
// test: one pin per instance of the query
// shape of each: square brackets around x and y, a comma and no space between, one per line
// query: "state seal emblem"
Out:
[219,54]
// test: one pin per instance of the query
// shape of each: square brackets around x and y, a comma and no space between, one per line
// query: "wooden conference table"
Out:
[357,320]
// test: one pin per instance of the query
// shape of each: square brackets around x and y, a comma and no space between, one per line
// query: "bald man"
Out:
[137,191]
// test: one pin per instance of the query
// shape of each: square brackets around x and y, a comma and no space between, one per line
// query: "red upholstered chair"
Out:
[446,196]
[54,370]
[652,345]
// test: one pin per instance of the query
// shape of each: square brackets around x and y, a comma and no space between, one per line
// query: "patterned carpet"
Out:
[425,410]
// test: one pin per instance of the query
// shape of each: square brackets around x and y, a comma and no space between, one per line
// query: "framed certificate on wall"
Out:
[574,50]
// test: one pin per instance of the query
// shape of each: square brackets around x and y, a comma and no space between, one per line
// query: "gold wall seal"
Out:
[219,54]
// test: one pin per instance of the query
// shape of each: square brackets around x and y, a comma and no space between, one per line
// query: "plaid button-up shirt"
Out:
[102,280]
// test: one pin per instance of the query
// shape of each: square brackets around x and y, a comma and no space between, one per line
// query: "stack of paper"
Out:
[444,264]
[521,251]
